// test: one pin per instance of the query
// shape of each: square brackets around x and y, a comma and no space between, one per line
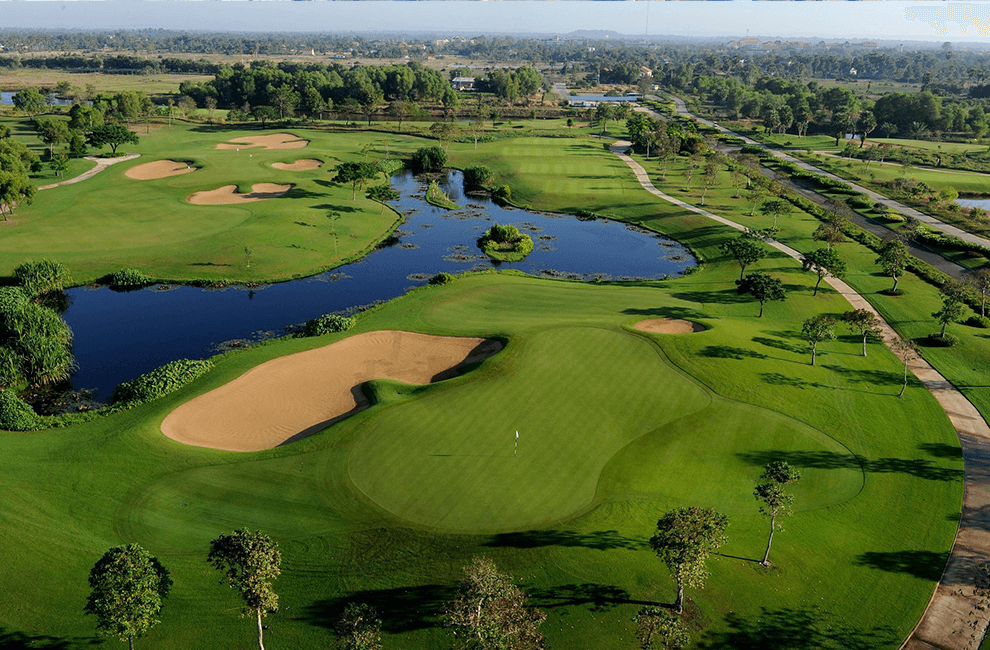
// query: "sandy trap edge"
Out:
[228,195]
[159,169]
[301,165]
[292,397]
[669,326]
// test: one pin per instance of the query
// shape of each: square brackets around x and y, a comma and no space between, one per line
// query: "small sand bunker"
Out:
[158,169]
[303,165]
[227,194]
[669,326]
[271,141]
[286,399]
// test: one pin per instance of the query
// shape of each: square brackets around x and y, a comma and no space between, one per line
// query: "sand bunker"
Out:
[271,141]
[292,397]
[303,165]
[227,194]
[158,169]
[669,326]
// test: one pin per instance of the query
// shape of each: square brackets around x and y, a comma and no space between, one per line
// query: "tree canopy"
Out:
[684,539]
[113,135]
[249,562]
[763,287]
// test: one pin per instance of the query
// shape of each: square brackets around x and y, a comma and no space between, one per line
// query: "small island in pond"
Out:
[505,243]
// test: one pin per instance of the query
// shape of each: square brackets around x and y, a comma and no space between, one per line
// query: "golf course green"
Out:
[616,427]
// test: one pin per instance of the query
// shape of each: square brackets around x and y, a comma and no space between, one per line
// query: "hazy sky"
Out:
[890,20]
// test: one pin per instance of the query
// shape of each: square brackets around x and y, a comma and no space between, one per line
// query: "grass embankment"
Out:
[435,196]
[616,427]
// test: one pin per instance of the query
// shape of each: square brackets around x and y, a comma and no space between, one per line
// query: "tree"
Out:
[30,101]
[52,131]
[359,628]
[745,250]
[693,163]
[866,322]
[908,352]
[400,110]
[382,193]
[16,163]
[113,135]
[369,101]
[684,539]
[59,164]
[284,99]
[658,628]
[775,501]
[249,561]
[355,173]
[823,261]
[817,329]
[893,260]
[952,309]
[263,114]
[980,281]
[756,192]
[490,612]
[775,208]
[444,132]
[128,586]
[866,124]
[603,114]
[829,232]
[710,176]
[763,287]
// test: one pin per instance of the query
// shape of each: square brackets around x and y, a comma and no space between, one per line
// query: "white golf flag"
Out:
[517,435]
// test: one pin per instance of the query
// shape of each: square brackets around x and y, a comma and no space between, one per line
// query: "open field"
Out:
[948,147]
[153,84]
[616,426]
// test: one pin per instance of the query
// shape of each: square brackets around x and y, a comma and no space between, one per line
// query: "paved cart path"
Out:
[101,164]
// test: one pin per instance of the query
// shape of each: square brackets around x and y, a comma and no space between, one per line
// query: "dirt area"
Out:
[303,165]
[158,169]
[293,397]
[228,195]
[271,141]
[669,326]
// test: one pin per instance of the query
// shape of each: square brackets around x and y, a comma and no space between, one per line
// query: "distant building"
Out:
[852,72]
[462,83]
[645,72]
[750,43]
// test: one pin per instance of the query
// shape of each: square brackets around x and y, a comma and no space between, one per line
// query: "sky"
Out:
[936,21]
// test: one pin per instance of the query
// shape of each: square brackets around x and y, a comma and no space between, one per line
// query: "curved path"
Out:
[101,164]
[876,198]
[951,620]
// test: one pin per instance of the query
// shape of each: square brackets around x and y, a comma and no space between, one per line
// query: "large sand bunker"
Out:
[669,326]
[271,141]
[158,169]
[292,397]
[227,194]
[304,165]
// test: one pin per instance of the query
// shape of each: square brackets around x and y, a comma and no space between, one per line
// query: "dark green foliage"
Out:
[10,367]
[981,322]
[128,278]
[442,278]
[504,234]
[359,628]
[328,324]
[39,278]
[684,539]
[763,287]
[15,414]
[478,177]
[505,243]
[502,194]
[39,340]
[435,196]
[355,173]
[113,135]
[128,586]
[822,262]
[428,160]
[389,166]
[160,381]
[657,628]
[745,249]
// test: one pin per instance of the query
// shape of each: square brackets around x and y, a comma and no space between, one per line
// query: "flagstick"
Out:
[516,447]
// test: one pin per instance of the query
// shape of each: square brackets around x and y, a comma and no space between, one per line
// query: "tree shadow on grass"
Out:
[919,467]
[730,352]
[600,540]
[22,641]
[922,564]
[780,344]
[599,597]
[335,208]
[871,377]
[402,609]
[685,313]
[795,629]
[718,297]
[941,450]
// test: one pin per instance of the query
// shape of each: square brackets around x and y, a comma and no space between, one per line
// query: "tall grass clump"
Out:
[160,381]
[328,324]
[37,340]
[128,279]
[39,278]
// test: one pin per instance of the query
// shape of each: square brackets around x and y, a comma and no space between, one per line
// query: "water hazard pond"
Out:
[119,336]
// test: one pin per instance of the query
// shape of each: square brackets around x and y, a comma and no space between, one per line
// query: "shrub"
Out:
[16,414]
[502,193]
[328,324]
[981,322]
[160,381]
[442,278]
[505,243]
[429,159]
[503,234]
[129,278]
[390,166]
[10,367]
[38,339]
[39,278]
[478,177]
[937,341]
[859,203]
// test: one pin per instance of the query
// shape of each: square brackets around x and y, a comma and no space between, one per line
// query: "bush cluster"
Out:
[478,177]
[15,414]
[429,160]
[328,324]
[390,166]
[129,278]
[442,278]
[505,243]
[36,342]
[502,194]
[39,278]
[160,381]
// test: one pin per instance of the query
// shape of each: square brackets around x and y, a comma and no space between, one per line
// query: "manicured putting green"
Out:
[577,395]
